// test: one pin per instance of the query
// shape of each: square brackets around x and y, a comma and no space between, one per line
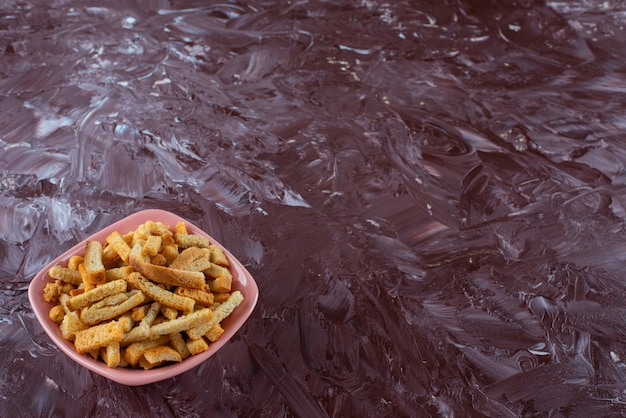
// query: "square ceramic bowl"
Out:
[242,281]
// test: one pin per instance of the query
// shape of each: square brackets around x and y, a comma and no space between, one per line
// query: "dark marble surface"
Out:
[431,196]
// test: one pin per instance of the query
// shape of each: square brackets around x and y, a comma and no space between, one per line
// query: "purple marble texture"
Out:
[430,194]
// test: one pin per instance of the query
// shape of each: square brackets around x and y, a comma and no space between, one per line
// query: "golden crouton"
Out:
[78,291]
[165,297]
[71,322]
[202,297]
[74,262]
[225,309]
[96,294]
[178,343]
[52,291]
[169,313]
[70,325]
[151,314]
[139,312]
[111,354]
[134,351]
[94,269]
[214,332]
[197,346]
[98,336]
[152,246]
[200,329]
[110,258]
[181,228]
[165,275]
[170,252]
[187,241]
[138,333]
[193,259]
[127,322]
[159,260]
[112,307]
[182,323]
[65,274]
[119,244]
[221,284]
[118,273]
[56,314]
[158,355]
[219,298]
[174,277]
[216,271]
[218,256]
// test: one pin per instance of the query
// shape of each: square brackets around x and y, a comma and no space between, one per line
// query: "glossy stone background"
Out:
[431,196]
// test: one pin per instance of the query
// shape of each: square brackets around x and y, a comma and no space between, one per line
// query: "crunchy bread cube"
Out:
[170,252]
[158,355]
[187,241]
[98,336]
[110,258]
[202,297]
[197,346]
[225,309]
[94,269]
[182,323]
[138,333]
[164,275]
[111,354]
[169,313]
[164,297]
[216,271]
[181,228]
[52,291]
[67,275]
[214,332]
[74,262]
[221,284]
[219,298]
[218,256]
[57,313]
[112,307]
[152,245]
[134,351]
[138,313]
[96,294]
[200,329]
[159,260]
[178,343]
[127,322]
[193,259]
[119,244]
[70,325]
[118,273]
[151,314]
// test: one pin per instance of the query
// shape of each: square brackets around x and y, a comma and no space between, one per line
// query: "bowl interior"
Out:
[242,281]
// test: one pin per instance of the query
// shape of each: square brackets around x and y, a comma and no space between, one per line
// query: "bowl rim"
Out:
[242,281]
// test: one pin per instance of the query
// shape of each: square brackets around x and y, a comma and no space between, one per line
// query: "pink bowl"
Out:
[242,281]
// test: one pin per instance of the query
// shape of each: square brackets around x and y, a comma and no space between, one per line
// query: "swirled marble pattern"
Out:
[431,196]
